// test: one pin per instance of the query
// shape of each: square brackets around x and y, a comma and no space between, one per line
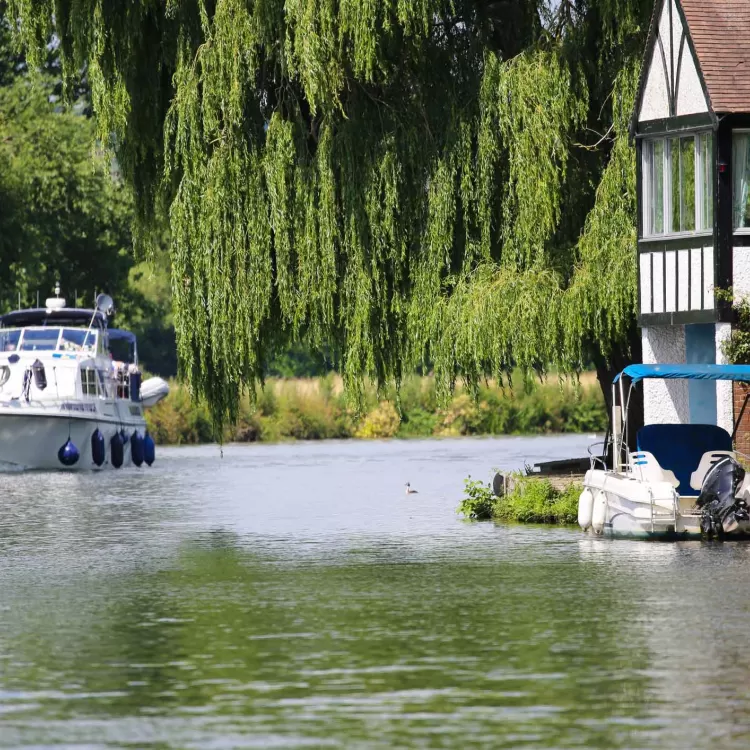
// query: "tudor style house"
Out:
[692,130]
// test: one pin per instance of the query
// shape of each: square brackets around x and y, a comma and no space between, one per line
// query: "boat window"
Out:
[73,340]
[9,340]
[88,381]
[104,383]
[39,339]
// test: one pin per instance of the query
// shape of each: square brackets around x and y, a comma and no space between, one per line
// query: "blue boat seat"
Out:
[680,447]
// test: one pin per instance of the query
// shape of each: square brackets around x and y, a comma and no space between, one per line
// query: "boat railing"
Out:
[596,460]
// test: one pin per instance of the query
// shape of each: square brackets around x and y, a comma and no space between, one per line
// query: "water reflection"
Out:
[178,610]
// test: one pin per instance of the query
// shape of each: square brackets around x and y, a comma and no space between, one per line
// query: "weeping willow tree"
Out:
[443,181]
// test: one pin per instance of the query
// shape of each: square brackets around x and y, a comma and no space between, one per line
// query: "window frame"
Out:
[20,347]
[647,205]
[737,230]
[89,378]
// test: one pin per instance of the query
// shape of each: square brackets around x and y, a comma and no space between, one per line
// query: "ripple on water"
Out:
[294,596]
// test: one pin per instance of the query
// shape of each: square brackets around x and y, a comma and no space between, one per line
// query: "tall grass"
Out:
[317,409]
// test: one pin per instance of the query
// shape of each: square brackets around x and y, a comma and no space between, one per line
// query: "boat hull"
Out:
[31,441]
[634,509]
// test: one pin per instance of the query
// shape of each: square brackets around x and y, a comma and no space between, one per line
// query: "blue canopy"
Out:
[117,334]
[687,372]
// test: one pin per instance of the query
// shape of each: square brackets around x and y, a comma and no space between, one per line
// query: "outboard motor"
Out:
[722,512]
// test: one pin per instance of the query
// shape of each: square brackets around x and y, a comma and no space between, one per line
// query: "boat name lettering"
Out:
[68,406]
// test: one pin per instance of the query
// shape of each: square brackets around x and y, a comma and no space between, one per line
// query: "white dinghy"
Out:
[683,479]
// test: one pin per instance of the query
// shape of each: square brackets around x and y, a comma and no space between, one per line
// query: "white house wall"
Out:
[655,102]
[724,403]
[690,97]
[680,78]
[677,280]
[741,271]
[668,401]
[665,401]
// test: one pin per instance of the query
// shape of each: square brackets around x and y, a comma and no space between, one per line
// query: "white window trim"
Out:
[646,151]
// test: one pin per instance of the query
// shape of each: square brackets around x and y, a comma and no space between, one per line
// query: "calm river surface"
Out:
[293,596]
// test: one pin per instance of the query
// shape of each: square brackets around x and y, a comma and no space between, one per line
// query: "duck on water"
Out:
[65,401]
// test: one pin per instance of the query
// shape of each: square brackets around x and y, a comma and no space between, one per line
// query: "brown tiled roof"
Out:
[720,30]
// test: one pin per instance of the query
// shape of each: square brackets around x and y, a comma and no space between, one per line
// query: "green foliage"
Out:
[180,423]
[479,501]
[65,213]
[381,422]
[405,180]
[532,500]
[300,361]
[317,409]
[146,307]
[66,217]
[538,501]
[736,348]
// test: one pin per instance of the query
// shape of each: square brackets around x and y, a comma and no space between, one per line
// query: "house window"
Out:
[678,192]
[741,179]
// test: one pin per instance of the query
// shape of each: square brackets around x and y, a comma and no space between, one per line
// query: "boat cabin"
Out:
[691,126]
[73,348]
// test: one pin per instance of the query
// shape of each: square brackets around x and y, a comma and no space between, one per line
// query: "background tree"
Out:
[406,180]
[65,213]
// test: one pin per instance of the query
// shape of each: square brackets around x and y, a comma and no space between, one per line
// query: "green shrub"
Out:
[461,417]
[177,420]
[534,500]
[417,423]
[479,500]
[381,422]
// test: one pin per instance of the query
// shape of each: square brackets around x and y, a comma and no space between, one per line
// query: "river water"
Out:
[293,596]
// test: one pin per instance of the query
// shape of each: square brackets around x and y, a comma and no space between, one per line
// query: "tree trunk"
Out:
[607,369]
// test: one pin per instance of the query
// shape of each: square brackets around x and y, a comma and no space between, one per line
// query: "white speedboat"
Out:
[682,479]
[65,401]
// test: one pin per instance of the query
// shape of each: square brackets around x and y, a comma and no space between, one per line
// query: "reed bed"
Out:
[317,409]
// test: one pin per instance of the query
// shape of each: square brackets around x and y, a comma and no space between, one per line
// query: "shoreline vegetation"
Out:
[531,500]
[317,409]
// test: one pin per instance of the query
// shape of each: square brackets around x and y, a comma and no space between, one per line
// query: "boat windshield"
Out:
[48,338]
[73,340]
[9,339]
[39,339]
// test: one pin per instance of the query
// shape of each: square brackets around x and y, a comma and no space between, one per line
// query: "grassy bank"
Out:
[532,500]
[316,409]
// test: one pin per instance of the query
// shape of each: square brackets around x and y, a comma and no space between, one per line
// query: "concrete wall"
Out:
[665,401]
[686,401]
[741,271]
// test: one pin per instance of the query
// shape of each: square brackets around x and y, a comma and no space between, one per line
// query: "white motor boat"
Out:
[682,480]
[65,401]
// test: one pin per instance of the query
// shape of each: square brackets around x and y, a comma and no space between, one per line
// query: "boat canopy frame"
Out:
[637,372]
